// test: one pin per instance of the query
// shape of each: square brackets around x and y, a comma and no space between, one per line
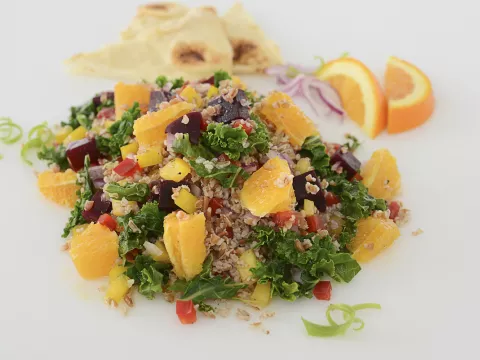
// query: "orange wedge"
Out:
[361,95]
[410,96]
[381,176]
[60,187]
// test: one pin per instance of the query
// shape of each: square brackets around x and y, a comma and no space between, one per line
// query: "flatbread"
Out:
[253,51]
[193,46]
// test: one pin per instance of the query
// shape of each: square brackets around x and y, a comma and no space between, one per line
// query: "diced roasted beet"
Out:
[156,98]
[349,163]
[100,206]
[77,151]
[231,110]
[106,95]
[301,192]
[192,127]
[210,80]
[162,191]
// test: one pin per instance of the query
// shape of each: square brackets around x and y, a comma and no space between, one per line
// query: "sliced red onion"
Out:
[169,141]
[328,95]
[98,184]
[196,190]
[273,154]
[253,218]
[276,70]
[96,172]
[250,168]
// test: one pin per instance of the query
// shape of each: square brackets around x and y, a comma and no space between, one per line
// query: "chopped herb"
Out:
[352,143]
[220,76]
[178,83]
[161,81]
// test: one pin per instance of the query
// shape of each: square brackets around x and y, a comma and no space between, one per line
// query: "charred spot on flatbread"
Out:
[189,54]
[246,52]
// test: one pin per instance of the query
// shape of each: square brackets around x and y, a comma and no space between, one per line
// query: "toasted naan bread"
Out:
[253,52]
[193,46]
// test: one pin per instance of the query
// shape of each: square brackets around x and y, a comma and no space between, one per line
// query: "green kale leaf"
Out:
[148,223]
[84,194]
[220,75]
[54,155]
[314,149]
[120,133]
[224,139]
[161,81]
[82,115]
[150,276]
[352,143]
[182,145]
[260,138]
[130,191]
[177,83]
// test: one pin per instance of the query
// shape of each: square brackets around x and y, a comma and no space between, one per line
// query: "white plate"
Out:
[47,311]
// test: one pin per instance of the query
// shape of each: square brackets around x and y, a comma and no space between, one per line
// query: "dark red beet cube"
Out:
[100,206]
[77,150]
[192,127]
[162,191]
[156,98]
[301,192]
[349,163]
[106,95]
[229,111]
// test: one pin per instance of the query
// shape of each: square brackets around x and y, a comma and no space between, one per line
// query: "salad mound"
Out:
[205,190]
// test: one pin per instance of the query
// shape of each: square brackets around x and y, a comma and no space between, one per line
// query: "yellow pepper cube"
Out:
[303,166]
[128,149]
[261,296]
[119,209]
[212,91]
[62,134]
[186,201]
[117,288]
[248,260]
[309,207]
[116,272]
[175,170]
[238,83]
[191,96]
[77,134]
[153,156]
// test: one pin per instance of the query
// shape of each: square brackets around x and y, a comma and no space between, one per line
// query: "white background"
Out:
[427,285]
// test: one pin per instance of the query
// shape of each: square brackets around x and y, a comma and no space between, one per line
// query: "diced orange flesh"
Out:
[361,95]
[381,176]
[94,251]
[410,96]
[279,109]
[127,94]
[373,236]
[269,189]
[60,187]
[150,128]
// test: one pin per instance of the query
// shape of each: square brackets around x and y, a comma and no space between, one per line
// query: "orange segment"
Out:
[373,236]
[279,109]
[410,96]
[127,94]
[361,95]
[60,187]
[381,176]
[94,251]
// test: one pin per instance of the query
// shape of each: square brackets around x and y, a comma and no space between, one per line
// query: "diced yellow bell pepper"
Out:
[303,166]
[238,83]
[186,201]
[118,209]
[116,271]
[128,149]
[77,134]
[191,96]
[248,260]
[261,296]
[175,170]
[212,91]
[309,207]
[117,288]
[61,134]
[153,156]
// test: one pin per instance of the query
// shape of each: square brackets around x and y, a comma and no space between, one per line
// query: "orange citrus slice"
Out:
[60,187]
[410,96]
[381,176]
[361,95]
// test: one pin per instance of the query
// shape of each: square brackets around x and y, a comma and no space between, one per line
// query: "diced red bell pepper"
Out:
[106,113]
[203,124]
[127,167]
[131,255]
[244,124]
[331,199]
[186,312]
[357,177]
[315,223]
[108,221]
[323,290]
[229,231]
[224,157]
[282,217]
[394,208]
[215,204]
